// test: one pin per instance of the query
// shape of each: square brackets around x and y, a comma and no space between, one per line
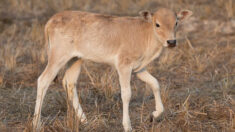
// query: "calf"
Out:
[127,43]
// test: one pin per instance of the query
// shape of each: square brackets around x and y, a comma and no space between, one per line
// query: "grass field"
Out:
[197,78]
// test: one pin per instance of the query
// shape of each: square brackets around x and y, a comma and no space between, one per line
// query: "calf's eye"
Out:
[157,25]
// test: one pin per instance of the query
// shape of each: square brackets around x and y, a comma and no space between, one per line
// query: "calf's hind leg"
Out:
[69,84]
[55,62]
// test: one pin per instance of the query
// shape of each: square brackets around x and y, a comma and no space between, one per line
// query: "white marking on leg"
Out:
[77,107]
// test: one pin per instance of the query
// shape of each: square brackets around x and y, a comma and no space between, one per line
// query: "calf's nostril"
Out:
[171,41]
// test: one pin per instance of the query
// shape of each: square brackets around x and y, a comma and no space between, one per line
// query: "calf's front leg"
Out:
[152,81]
[124,79]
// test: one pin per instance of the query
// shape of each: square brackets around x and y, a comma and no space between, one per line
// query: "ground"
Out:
[197,78]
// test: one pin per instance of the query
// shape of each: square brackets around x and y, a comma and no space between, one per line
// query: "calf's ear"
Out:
[184,15]
[146,15]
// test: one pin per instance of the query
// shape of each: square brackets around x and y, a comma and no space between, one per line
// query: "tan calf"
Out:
[127,43]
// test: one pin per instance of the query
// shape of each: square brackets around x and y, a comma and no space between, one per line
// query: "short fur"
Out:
[127,43]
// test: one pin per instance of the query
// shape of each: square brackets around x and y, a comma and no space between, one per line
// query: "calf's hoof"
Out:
[157,115]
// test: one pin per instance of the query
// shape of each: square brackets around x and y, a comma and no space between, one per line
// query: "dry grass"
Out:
[197,78]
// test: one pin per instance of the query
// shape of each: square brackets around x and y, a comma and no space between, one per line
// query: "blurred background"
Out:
[197,78]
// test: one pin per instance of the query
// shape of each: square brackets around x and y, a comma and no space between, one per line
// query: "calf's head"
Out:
[165,22]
